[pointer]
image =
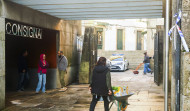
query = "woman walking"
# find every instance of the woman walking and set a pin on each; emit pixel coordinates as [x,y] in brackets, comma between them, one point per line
[42,70]
[100,84]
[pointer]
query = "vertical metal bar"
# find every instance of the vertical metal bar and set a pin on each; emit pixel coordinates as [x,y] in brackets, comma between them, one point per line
[167,55]
[177,62]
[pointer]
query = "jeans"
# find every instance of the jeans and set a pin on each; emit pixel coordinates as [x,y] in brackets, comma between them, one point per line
[147,68]
[95,100]
[23,80]
[41,83]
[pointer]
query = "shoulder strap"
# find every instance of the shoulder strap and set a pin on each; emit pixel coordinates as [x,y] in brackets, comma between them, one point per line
[61,59]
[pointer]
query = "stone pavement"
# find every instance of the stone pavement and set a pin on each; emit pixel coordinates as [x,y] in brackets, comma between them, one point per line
[147,96]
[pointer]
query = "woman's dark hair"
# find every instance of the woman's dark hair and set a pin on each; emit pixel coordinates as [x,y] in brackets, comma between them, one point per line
[101,61]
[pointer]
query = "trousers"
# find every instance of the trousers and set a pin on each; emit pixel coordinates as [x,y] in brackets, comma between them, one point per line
[95,100]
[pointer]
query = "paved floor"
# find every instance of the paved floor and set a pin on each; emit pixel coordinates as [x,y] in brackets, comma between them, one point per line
[147,96]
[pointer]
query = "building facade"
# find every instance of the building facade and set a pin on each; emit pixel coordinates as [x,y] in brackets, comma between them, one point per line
[131,37]
[25,28]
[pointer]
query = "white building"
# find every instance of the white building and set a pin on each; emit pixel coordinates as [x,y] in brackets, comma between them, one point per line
[131,37]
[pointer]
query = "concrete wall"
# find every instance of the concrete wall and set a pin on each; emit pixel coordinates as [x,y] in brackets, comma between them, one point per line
[185,27]
[89,55]
[150,41]
[151,30]
[185,23]
[110,39]
[68,37]
[185,58]
[129,38]
[130,28]
[2,63]
[185,82]
[66,40]
[134,57]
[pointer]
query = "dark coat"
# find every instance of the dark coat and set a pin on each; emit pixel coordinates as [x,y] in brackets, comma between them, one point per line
[99,85]
[22,64]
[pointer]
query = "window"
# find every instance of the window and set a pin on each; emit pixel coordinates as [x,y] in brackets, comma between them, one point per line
[119,39]
[139,40]
[100,37]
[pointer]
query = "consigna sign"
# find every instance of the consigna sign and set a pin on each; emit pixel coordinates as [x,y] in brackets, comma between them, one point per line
[18,29]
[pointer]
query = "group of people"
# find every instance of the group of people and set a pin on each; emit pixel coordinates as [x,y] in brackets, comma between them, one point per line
[100,83]
[62,64]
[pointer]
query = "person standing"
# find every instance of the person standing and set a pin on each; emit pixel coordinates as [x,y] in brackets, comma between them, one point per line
[42,70]
[146,64]
[62,63]
[100,85]
[23,71]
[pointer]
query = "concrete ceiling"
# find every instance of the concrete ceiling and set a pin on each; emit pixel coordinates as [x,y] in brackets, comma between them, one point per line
[97,9]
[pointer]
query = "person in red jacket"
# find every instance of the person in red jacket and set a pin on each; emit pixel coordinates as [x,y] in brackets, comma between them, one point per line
[42,70]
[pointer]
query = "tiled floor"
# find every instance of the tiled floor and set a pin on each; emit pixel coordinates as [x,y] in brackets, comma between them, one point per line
[147,96]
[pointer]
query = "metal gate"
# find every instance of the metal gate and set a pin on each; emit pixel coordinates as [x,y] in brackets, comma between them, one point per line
[158,57]
[156,60]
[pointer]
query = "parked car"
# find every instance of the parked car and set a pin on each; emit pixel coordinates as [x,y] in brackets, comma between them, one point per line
[118,63]
[108,63]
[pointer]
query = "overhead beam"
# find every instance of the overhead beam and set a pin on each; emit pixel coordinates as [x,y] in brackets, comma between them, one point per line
[100,12]
[108,15]
[102,9]
[111,18]
[105,12]
[48,2]
[96,9]
[124,15]
[97,5]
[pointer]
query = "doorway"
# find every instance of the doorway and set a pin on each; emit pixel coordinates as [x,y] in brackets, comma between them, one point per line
[19,38]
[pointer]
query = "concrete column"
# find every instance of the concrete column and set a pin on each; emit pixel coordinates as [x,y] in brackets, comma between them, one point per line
[84,70]
[2,63]
[185,82]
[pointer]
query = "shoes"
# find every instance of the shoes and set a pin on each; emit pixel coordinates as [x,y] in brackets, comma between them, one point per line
[19,90]
[63,89]
[42,92]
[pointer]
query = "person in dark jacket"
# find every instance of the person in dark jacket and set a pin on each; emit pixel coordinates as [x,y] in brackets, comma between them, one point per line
[42,70]
[23,71]
[100,85]
[147,64]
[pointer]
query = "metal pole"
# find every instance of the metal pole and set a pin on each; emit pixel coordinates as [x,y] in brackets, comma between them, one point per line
[167,55]
[177,62]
